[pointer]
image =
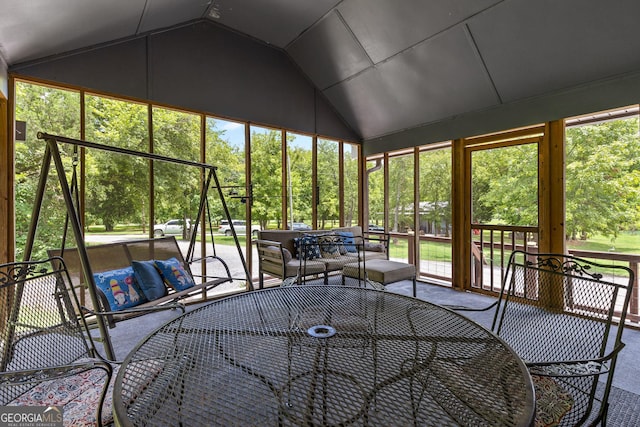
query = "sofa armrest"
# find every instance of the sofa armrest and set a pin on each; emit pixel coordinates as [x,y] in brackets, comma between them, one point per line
[377,243]
[270,249]
[272,258]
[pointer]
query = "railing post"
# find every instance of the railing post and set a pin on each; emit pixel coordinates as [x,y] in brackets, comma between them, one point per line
[633,301]
[411,255]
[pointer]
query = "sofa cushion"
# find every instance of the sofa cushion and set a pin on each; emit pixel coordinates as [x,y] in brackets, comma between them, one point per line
[306,267]
[284,237]
[381,271]
[373,247]
[286,255]
[336,264]
[356,230]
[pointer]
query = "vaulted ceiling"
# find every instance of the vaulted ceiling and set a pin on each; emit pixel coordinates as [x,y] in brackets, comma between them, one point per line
[386,66]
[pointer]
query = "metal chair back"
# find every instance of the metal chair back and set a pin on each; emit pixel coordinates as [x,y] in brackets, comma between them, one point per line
[558,312]
[43,337]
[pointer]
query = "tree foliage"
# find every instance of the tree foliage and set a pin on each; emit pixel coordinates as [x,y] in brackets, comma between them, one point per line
[603,178]
[505,185]
[228,157]
[116,184]
[435,191]
[56,112]
[328,179]
[266,176]
[602,173]
[351,184]
[401,193]
[375,191]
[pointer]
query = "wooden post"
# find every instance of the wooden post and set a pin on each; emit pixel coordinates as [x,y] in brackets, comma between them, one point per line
[461,213]
[6,185]
[551,185]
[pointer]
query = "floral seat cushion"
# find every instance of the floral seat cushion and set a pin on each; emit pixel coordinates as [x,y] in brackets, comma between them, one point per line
[78,394]
[552,401]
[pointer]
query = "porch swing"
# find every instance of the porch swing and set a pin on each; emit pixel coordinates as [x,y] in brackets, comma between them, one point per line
[127,251]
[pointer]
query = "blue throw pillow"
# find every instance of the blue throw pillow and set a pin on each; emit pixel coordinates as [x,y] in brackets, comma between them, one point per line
[349,241]
[120,288]
[307,247]
[174,274]
[149,279]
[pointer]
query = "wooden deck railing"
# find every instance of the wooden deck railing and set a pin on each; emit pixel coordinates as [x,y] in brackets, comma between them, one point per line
[632,261]
[491,247]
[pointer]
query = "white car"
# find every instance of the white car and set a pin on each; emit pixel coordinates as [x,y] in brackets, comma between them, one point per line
[300,226]
[173,226]
[240,226]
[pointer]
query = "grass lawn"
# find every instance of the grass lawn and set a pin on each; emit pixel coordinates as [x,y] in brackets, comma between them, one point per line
[628,242]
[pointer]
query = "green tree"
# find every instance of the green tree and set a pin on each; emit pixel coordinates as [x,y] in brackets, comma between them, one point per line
[350,202]
[117,185]
[435,191]
[603,178]
[53,111]
[400,192]
[301,183]
[228,157]
[505,185]
[328,180]
[177,188]
[266,175]
[375,192]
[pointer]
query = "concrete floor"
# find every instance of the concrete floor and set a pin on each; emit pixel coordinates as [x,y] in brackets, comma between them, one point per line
[627,376]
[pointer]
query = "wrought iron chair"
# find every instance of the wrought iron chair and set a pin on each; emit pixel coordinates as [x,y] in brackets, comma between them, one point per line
[557,312]
[48,357]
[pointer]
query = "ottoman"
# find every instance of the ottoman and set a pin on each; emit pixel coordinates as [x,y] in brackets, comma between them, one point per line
[382,271]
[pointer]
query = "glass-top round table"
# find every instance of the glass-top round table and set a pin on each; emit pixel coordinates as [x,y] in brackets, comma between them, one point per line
[322,355]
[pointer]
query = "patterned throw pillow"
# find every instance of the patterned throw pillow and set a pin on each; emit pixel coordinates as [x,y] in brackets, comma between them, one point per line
[307,247]
[329,245]
[120,288]
[174,274]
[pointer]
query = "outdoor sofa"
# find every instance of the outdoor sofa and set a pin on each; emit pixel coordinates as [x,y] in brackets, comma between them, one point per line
[290,253]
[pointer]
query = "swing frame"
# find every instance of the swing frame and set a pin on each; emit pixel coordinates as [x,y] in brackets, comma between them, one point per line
[52,154]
